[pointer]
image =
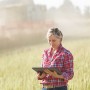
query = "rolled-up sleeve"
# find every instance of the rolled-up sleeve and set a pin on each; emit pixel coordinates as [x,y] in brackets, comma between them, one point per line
[68,65]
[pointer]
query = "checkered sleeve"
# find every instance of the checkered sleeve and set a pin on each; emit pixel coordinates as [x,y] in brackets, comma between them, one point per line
[44,56]
[68,64]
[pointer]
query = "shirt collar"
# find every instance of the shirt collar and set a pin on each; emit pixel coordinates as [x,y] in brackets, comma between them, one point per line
[58,50]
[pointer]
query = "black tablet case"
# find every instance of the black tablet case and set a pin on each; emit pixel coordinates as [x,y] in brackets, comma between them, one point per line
[41,69]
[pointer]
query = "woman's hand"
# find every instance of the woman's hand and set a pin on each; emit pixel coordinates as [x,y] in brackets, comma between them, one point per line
[41,75]
[54,74]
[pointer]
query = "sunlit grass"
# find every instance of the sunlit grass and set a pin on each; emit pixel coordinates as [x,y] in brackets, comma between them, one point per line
[16,66]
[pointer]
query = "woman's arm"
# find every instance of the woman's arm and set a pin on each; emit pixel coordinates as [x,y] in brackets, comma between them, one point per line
[68,65]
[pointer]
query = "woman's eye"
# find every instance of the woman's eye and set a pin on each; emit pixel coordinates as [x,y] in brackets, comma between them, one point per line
[53,40]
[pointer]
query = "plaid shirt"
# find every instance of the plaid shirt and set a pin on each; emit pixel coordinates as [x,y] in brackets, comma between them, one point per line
[63,60]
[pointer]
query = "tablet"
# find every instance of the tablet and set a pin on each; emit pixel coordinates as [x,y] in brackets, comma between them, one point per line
[41,69]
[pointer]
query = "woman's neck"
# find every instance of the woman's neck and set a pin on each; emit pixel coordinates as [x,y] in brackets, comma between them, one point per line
[54,50]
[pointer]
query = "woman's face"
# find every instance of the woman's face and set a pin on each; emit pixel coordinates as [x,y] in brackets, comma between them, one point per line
[54,41]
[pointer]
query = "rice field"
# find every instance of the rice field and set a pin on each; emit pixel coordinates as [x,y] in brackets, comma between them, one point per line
[16,66]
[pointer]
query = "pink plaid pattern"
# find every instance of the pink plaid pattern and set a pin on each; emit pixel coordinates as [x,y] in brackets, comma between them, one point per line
[63,60]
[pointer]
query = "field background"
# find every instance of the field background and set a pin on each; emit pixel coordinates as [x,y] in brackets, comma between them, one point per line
[23,26]
[16,66]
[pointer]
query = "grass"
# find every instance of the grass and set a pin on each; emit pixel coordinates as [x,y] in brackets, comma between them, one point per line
[16,66]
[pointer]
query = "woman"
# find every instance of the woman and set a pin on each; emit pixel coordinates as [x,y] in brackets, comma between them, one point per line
[59,57]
